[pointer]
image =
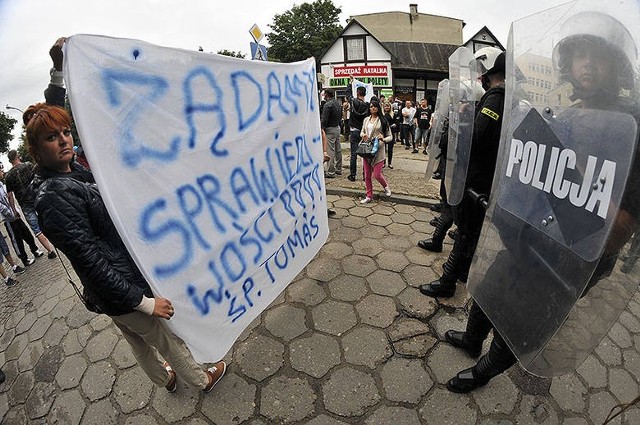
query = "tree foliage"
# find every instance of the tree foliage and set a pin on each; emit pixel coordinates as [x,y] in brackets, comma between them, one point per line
[231,53]
[303,31]
[23,152]
[6,127]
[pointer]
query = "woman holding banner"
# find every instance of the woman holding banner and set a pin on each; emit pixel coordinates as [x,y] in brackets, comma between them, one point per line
[73,216]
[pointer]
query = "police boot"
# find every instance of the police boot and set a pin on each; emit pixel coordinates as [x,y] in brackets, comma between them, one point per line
[466,381]
[444,287]
[497,360]
[460,340]
[435,243]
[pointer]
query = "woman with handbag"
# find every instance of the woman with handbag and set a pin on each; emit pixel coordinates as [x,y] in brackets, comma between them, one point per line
[375,126]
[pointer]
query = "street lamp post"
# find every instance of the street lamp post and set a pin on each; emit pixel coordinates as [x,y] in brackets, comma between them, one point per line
[13,107]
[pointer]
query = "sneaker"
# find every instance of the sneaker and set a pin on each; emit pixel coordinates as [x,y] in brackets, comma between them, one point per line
[17,269]
[424,151]
[11,282]
[215,374]
[351,178]
[38,253]
[172,385]
[29,261]
[387,191]
[366,200]
[51,255]
[414,151]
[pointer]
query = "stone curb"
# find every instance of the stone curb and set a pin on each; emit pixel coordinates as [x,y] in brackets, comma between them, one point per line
[398,199]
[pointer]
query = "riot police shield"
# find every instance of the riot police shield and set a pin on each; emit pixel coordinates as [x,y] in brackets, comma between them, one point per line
[440,113]
[462,96]
[565,196]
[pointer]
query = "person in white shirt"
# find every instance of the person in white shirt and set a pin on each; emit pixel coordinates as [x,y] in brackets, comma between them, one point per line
[406,130]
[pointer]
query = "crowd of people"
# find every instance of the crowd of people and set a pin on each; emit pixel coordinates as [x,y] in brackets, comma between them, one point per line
[407,125]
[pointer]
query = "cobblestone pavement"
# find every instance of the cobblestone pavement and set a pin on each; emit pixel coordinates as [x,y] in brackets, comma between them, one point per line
[350,340]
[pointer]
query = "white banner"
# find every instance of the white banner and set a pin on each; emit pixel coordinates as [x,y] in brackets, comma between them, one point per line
[211,169]
[369,87]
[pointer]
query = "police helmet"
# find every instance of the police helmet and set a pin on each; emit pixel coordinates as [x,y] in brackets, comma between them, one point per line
[490,60]
[599,30]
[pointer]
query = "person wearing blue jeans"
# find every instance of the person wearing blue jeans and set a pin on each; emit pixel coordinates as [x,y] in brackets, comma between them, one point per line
[422,120]
[330,123]
[406,130]
[17,180]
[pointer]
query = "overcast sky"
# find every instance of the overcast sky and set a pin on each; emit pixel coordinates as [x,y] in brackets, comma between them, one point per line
[28,28]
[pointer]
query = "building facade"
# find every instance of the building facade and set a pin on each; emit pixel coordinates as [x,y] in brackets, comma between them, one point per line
[481,39]
[405,54]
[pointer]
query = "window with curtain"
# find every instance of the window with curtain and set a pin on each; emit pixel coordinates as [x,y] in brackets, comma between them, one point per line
[354,49]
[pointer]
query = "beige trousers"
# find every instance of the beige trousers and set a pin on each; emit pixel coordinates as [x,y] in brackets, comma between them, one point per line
[148,337]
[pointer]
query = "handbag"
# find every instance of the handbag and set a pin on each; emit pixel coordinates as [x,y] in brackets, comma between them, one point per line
[368,149]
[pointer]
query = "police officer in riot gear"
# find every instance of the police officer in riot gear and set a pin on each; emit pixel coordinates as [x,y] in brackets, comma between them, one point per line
[596,56]
[590,37]
[438,144]
[443,222]
[469,215]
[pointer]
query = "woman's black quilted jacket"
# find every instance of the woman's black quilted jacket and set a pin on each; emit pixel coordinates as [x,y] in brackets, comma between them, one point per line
[73,217]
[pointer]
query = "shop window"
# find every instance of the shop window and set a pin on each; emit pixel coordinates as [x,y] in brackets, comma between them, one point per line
[355,49]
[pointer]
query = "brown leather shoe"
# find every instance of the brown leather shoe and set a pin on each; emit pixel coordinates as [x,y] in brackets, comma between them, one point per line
[172,385]
[215,374]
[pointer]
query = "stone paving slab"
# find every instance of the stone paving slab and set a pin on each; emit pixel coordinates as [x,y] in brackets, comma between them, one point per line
[350,341]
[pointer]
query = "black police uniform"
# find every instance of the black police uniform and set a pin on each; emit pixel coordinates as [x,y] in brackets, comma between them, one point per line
[499,357]
[445,220]
[469,215]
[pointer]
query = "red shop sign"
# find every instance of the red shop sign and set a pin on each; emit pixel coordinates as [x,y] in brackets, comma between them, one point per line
[361,71]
